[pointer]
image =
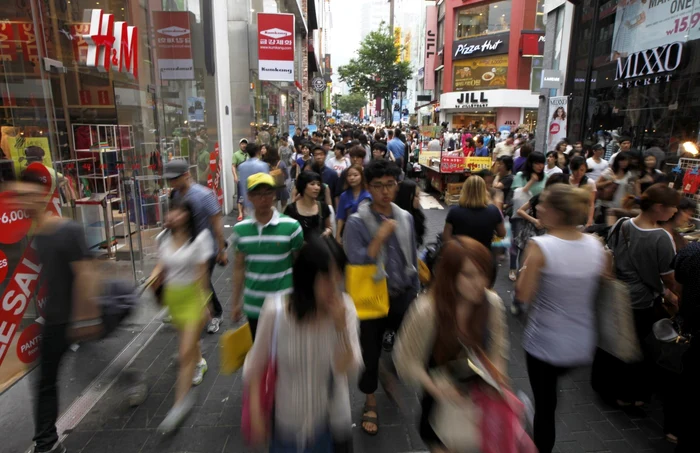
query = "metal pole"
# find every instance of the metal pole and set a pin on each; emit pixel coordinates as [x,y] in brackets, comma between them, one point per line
[391,18]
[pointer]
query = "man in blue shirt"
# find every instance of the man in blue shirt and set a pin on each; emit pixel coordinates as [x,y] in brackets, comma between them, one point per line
[328,176]
[397,148]
[481,149]
[250,167]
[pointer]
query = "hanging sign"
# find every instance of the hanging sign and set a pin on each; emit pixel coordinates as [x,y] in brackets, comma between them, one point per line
[112,45]
[431,26]
[173,45]
[276,47]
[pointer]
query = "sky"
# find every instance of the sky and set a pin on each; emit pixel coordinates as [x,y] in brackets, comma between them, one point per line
[345,34]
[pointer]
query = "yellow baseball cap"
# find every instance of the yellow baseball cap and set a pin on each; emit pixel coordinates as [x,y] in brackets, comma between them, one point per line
[259,179]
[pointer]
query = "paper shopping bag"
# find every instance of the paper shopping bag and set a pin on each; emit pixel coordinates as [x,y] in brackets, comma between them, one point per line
[371,297]
[234,345]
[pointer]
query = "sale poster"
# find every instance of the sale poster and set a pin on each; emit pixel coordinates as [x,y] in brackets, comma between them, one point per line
[556,121]
[27,150]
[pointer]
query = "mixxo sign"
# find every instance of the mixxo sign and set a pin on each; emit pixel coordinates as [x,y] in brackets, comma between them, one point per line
[649,66]
[112,45]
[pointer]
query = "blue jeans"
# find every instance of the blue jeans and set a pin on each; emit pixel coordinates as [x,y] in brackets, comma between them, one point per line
[323,443]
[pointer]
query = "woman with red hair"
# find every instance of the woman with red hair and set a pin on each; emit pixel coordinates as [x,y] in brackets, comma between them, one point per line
[459,319]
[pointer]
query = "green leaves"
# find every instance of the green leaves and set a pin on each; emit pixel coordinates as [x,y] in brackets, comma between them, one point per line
[375,71]
[352,103]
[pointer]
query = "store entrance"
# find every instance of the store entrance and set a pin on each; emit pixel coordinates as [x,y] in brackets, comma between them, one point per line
[474,121]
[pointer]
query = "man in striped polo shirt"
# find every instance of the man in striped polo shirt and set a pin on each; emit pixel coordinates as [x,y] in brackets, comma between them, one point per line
[265,244]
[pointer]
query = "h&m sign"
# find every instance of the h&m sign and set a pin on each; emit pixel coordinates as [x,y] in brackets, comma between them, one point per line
[112,45]
[472,100]
[482,46]
[649,66]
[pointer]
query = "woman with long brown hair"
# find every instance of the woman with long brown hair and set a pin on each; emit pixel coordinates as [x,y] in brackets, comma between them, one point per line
[458,317]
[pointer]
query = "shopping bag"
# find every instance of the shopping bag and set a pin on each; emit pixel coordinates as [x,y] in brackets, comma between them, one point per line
[616,330]
[234,345]
[505,241]
[371,297]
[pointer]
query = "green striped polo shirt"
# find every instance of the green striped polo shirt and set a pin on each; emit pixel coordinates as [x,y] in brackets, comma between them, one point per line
[268,258]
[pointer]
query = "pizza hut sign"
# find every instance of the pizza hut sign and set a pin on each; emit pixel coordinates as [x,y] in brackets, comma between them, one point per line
[482,46]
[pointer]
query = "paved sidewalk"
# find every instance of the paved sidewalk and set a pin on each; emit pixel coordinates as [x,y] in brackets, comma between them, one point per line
[584,424]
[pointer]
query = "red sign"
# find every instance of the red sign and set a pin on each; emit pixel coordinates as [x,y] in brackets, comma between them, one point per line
[85,97]
[8,49]
[24,280]
[4,265]
[450,164]
[173,39]
[28,343]
[14,222]
[554,128]
[103,97]
[27,37]
[431,31]
[80,46]
[276,47]
[112,45]
[532,44]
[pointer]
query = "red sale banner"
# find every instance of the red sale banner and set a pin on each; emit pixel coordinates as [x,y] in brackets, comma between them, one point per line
[27,37]
[8,49]
[24,280]
[276,47]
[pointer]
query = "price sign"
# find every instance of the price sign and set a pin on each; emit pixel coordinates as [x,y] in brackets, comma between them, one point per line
[478,163]
[449,164]
[14,222]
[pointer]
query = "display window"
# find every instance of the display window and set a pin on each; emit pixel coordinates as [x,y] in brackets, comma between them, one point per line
[474,121]
[483,20]
[484,73]
[642,79]
[102,128]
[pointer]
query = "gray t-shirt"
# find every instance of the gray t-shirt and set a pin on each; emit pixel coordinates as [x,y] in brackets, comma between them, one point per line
[57,250]
[204,206]
[641,266]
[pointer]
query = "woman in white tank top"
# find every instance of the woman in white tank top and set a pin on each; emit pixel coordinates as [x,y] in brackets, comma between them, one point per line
[559,278]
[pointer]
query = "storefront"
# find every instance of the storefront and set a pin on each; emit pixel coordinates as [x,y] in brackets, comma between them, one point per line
[486,77]
[633,71]
[487,110]
[100,97]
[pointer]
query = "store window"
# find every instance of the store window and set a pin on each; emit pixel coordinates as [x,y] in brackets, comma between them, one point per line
[615,92]
[485,73]
[102,134]
[536,74]
[474,121]
[539,15]
[530,118]
[483,20]
[441,34]
[438,83]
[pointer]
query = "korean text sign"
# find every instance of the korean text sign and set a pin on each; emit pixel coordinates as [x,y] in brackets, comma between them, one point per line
[276,47]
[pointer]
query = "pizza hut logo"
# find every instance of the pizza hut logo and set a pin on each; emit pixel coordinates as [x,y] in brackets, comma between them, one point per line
[174,31]
[276,33]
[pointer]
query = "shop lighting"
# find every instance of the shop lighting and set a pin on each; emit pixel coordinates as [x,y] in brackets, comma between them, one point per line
[691,148]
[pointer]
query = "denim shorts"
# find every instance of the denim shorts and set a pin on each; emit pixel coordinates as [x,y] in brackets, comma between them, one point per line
[322,443]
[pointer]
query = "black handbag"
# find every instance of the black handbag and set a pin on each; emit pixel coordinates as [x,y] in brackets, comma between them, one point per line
[668,344]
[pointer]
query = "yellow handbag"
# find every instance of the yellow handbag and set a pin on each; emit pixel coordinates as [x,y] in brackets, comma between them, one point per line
[371,297]
[234,345]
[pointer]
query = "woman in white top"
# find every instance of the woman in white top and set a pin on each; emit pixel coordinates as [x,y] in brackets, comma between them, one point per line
[183,268]
[317,346]
[558,279]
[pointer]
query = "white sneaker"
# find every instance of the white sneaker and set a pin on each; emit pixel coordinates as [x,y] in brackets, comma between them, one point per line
[176,415]
[199,371]
[214,324]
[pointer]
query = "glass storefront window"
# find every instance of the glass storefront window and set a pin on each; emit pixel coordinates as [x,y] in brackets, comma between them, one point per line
[536,74]
[539,15]
[531,119]
[441,34]
[483,20]
[474,121]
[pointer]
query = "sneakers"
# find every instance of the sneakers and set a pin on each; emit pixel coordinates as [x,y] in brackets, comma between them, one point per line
[388,341]
[199,371]
[176,415]
[57,448]
[214,324]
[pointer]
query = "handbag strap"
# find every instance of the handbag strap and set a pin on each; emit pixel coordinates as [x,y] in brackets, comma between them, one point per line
[279,307]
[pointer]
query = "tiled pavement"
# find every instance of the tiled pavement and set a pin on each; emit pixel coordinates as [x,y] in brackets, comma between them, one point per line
[584,424]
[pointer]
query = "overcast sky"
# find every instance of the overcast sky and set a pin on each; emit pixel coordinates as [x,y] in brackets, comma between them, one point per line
[345,35]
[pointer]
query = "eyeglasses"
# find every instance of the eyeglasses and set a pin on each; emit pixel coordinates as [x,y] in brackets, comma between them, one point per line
[388,186]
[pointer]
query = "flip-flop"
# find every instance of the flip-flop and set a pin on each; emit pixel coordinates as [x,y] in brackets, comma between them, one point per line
[369,419]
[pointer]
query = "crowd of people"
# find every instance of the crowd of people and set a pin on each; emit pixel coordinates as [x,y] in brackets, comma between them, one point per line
[323,217]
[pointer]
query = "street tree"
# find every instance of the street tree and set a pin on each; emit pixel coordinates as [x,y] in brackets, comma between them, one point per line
[377,70]
[352,103]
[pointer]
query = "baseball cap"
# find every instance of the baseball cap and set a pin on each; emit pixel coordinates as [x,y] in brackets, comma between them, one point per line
[175,168]
[259,179]
[242,140]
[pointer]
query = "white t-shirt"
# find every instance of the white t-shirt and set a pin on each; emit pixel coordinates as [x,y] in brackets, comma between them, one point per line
[181,265]
[503,150]
[338,165]
[597,169]
[552,171]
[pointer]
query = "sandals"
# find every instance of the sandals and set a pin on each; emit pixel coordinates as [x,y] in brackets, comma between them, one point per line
[370,419]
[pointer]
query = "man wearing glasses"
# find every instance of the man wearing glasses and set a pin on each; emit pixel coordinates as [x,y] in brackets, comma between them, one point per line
[381,233]
[265,243]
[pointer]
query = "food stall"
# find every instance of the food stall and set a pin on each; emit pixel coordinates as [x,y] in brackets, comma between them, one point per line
[441,169]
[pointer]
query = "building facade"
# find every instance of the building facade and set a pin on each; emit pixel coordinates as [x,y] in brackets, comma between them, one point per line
[482,77]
